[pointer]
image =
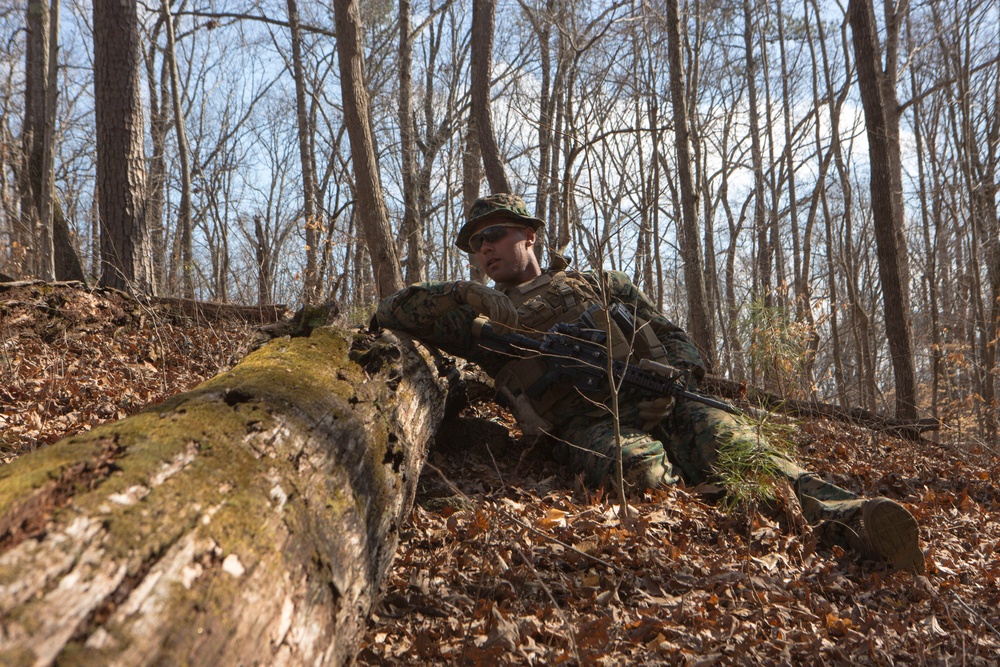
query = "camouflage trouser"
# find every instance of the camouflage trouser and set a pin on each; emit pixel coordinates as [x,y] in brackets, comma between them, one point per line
[687,448]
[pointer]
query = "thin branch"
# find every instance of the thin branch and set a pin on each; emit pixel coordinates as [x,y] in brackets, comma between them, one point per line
[305,27]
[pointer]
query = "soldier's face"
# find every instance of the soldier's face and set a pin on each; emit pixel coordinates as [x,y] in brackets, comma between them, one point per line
[509,259]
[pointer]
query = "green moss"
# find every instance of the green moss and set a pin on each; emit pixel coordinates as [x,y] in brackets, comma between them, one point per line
[27,473]
[19,656]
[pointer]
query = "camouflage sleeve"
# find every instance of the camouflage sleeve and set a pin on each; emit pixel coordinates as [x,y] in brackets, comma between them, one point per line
[680,349]
[429,311]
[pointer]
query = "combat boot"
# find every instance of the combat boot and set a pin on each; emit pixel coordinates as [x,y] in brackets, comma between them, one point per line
[879,529]
[889,533]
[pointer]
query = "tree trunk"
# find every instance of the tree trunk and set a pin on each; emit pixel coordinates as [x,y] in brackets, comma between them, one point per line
[159,122]
[45,196]
[408,150]
[263,256]
[249,521]
[483,12]
[310,291]
[878,97]
[67,262]
[694,267]
[184,212]
[472,175]
[41,228]
[32,133]
[372,213]
[762,275]
[126,249]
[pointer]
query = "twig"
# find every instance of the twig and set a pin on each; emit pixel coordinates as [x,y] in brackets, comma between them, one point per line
[975,613]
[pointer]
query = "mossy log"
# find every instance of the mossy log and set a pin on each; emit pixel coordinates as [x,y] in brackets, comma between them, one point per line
[247,522]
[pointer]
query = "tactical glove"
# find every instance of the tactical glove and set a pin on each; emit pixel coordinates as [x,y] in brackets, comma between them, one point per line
[654,411]
[533,426]
[486,301]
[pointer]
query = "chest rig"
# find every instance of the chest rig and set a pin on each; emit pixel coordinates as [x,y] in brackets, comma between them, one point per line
[564,296]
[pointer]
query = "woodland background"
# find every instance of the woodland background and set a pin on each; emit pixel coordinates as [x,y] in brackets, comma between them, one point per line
[809,187]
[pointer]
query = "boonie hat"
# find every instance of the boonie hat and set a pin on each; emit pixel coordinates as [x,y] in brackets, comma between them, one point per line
[503,205]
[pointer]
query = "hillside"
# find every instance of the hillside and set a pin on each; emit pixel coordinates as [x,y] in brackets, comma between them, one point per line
[506,560]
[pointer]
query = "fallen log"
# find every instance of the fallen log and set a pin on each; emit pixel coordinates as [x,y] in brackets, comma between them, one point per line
[249,521]
[904,428]
[202,309]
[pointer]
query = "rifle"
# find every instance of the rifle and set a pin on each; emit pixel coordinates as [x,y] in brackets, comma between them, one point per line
[579,354]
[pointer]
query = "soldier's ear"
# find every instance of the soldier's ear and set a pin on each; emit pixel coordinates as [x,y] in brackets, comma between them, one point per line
[529,236]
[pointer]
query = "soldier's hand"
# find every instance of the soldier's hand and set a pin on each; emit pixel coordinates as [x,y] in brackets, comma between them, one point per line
[666,370]
[655,410]
[487,301]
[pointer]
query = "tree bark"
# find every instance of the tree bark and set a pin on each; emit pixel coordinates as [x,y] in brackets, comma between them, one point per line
[26,229]
[472,176]
[249,521]
[762,275]
[483,12]
[41,228]
[878,97]
[694,267]
[159,122]
[310,291]
[126,248]
[372,213]
[183,154]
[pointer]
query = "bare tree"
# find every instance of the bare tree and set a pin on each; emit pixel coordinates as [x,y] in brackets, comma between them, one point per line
[42,226]
[762,275]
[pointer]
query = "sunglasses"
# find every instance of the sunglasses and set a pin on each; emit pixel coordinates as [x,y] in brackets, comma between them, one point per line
[490,234]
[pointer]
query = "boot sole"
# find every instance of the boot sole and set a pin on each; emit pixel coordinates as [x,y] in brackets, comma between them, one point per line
[892,535]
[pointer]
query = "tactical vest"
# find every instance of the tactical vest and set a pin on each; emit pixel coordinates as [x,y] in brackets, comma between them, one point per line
[552,298]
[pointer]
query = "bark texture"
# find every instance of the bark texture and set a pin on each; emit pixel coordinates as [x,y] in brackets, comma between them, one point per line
[126,246]
[249,521]
[370,207]
[699,303]
[483,15]
[877,85]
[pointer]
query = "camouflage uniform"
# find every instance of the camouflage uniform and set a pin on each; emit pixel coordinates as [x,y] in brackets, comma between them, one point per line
[685,445]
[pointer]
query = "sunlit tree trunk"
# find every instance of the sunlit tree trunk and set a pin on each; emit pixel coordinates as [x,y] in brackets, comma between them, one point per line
[310,290]
[183,154]
[371,208]
[699,314]
[483,12]
[412,228]
[877,83]
[159,123]
[126,248]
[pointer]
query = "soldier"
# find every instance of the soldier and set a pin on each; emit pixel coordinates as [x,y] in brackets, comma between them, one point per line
[663,440]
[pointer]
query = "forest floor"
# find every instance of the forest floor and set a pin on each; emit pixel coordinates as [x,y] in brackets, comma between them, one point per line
[508,560]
